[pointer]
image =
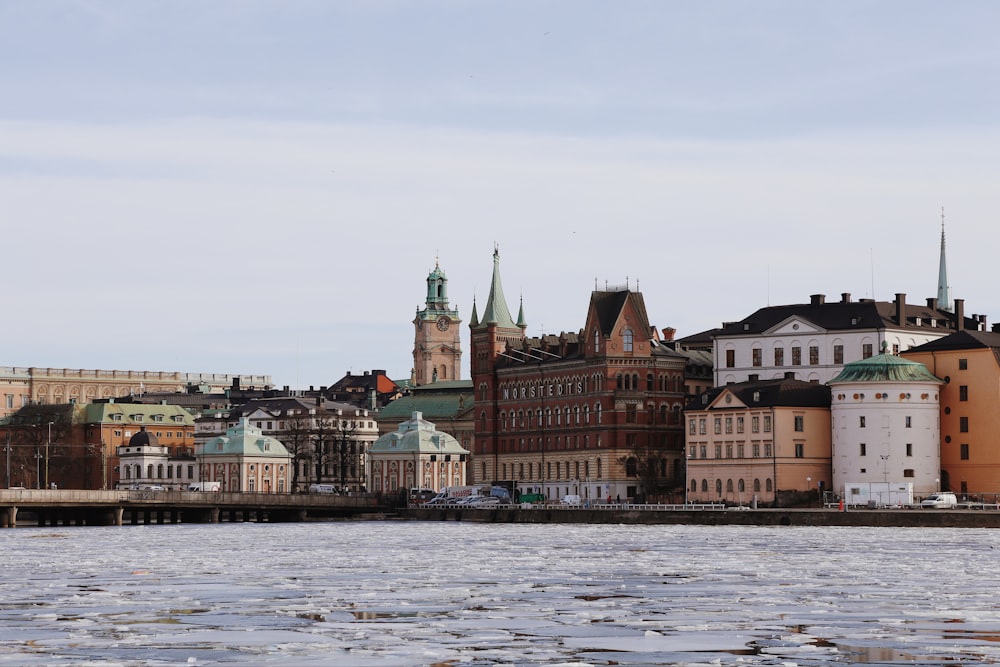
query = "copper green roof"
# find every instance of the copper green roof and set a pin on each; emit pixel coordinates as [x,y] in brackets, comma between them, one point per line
[885,368]
[417,435]
[244,440]
[496,311]
[438,400]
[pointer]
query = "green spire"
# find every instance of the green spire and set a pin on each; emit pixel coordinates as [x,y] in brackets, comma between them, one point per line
[520,315]
[474,322]
[496,311]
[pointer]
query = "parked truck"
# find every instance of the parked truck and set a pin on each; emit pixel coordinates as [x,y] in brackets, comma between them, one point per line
[205,486]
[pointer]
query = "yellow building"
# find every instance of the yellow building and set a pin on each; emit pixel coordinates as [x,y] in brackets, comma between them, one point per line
[766,441]
[969,363]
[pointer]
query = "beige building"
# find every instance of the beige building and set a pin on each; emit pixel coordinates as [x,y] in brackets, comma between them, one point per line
[416,455]
[244,460]
[21,386]
[766,441]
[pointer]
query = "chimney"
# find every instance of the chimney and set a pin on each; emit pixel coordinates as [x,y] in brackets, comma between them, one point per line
[900,309]
[845,297]
[959,314]
[817,299]
[668,333]
[319,400]
[932,303]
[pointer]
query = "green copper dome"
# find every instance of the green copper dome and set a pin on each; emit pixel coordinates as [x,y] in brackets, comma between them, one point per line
[885,368]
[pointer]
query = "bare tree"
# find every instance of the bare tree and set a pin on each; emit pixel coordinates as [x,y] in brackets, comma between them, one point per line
[323,434]
[297,440]
[345,452]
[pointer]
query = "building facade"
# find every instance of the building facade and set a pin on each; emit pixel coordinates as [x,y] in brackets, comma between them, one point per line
[969,364]
[595,413]
[437,342]
[416,455]
[244,460]
[813,341]
[766,442]
[34,385]
[886,431]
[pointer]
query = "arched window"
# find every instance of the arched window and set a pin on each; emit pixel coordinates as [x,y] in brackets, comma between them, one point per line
[149,470]
[694,486]
[768,484]
[631,467]
[756,485]
[618,381]
[704,486]
[597,341]
[729,485]
[718,487]
[627,340]
[741,485]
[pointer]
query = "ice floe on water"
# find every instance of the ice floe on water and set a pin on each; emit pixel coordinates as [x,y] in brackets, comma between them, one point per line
[452,594]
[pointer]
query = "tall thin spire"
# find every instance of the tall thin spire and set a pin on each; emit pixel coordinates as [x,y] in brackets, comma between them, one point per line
[496,311]
[944,291]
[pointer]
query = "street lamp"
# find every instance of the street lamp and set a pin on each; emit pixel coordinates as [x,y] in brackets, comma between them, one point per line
[885,474]
[47,443]
[809,485]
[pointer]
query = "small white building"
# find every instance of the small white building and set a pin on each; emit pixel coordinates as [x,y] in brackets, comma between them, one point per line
[145,462]
[416,455]
[886,429]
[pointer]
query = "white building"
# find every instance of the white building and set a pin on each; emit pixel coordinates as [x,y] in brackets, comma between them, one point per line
[244,460]
[145,462]
[813,341]
[886,429]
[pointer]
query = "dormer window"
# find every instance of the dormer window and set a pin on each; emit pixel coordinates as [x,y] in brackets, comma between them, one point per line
[116,417]
[157,418]
[136,417]
[597,341]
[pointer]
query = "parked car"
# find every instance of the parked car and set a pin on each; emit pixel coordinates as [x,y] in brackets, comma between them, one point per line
[572,500]
[940,500]
[480,501]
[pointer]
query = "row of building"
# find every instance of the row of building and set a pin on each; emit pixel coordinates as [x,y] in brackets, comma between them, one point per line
[861,398]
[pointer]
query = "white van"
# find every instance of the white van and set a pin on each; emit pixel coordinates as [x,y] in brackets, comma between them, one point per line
[573,500]
[940,500]
[322,488]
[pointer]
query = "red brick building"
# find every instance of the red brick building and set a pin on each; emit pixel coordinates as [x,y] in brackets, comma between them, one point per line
[595,413]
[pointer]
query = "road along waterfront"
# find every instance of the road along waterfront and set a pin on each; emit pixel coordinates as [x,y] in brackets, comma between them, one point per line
[425,593]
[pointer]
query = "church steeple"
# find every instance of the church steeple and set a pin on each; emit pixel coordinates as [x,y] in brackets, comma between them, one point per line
[944,290]
[437,346]
[496,311]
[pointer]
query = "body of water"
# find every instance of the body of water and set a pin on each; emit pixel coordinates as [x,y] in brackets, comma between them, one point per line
[448,593]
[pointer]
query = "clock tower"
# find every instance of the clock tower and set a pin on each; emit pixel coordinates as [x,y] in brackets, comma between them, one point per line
[437,344]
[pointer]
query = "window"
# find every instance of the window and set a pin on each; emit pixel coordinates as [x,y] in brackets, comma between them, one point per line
[866,350]
[692,452]
[838,354]
[963,364]
[814,355]
[779,356]
[756,450]
[704,451]
[739,424]
[908,473]
[909,449]
[755,424]
[10,401]
[963,393]
[861,421]
[718,451]
[631,414]
[963,451]
[701,426]
[740,452]
[729,451]
[767,449]
[963,424]
[597,341]
[767,423]
[692,429]
[796,356]
[627,340]
[800,450]
[729,425]
[800,425]
[863,449]
[730,358]
[909,421]
[718,426]
[757,357]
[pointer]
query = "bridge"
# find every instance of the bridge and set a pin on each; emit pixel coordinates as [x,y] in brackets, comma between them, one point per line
[45,507]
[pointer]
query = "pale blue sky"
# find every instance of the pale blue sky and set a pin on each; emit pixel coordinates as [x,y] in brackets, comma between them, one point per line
[262,186]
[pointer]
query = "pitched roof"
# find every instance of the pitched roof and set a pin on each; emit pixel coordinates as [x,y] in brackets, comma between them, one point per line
[961,340]
[246,440]
[768,393]
[496,311]
[845,315]
[438,400]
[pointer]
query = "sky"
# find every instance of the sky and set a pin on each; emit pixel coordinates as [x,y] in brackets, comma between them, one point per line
[262,186]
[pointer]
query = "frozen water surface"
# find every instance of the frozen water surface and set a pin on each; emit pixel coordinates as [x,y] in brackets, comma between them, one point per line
[444,593]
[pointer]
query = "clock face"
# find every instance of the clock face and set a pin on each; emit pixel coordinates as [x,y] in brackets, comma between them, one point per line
[443,323]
